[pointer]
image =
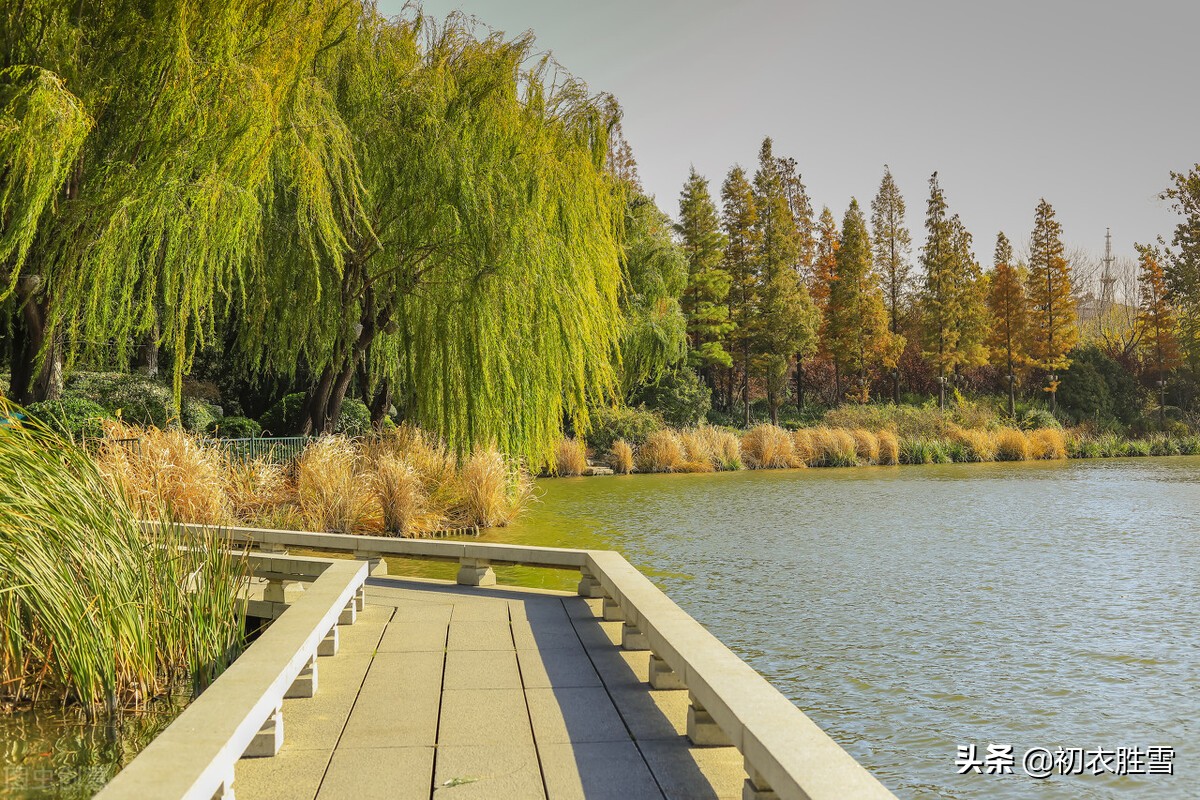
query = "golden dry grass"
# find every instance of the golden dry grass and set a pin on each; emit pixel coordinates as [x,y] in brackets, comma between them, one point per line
[661,452]
[866,446]
[334,488]
[1011,445]
[980,445]
[1047,443]
[493,490]
[889,447]
[570,457]
[802,445]
[403,502]
[768,447]
[621,457]
[833,447]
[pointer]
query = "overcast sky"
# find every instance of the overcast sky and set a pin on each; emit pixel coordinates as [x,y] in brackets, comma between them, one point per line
[1089,104]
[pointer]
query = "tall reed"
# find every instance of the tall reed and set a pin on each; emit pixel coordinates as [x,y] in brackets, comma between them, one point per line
[889,448]
[334,488]
[768,447]
[96,609]
[621,457]
[661,452]
[570,457]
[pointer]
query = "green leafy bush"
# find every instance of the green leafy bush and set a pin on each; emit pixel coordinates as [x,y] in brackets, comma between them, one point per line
[679,397]
[234,428]
[286,417]
[1098,389]
[1039,418]
[355,419]
[634,425]
[73,417]
[198,415]
[136,398]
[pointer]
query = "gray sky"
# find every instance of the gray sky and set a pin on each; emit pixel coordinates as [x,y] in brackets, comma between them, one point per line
[1089,104]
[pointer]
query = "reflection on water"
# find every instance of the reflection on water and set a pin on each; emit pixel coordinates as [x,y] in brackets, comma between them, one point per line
[910,610]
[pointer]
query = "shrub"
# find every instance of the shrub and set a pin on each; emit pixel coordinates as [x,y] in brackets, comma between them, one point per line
[1161,445]
[661,452]
[621,457]
[570,457]
[1047,443]
[139,399]
[833,447]
[1137,448]
[197,416]
[234,428]
[1039,418]
[768,447]
[1011,445]
[924,451]
[866,446]
[286,417]
[634,425]
[1098,388]
[354,418]
[679,397]
[1189,445]
[72,417]
[889,448]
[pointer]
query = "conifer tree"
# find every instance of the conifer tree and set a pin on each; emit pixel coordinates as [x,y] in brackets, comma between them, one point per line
[972,319]
[740,221]
[802,214]
[1053,330]
[786,318]
[940,295]
[857,322]
[1183,262]
[705,301]
[892,246]
[1156,321]
[824,273]
[1010,321]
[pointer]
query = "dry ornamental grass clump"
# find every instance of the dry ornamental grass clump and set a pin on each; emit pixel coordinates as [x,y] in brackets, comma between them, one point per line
[570,457]
[802,445]
[1047,443]
[768,447]
[1011,445]
[866,446]
[661,452]
[334,487]
[493,491]
[834,447]
[698,453]
[979,445]
[621,457]
[889,448]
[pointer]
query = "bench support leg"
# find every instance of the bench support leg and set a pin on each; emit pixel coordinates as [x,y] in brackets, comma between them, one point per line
[756,787]
[269,739]
[662,676]
[329,645]
[589,586]
[702,729]
[305,684]
[612,610]
[632,637]
[475,572]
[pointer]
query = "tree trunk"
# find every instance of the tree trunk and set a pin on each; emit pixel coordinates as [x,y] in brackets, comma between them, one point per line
[799,383]
[380,404]
[37,362]
[837,384]
[146,362]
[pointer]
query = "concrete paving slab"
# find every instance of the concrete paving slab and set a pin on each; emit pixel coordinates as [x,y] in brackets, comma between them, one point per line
[488,772]
[621,668]
[582,714]
[695,773]
[412,637]
[398,704]
[542,635]
[652,714]
[409,611]
[289,775]
[545,669]
[595,633]
[483,717]
[539,609]
[378,774]
[481,669]
[596,771]
[481,635]
[584,607]
[316,723]
[481,611]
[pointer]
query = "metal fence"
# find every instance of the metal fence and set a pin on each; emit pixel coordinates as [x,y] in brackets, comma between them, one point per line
[281,450]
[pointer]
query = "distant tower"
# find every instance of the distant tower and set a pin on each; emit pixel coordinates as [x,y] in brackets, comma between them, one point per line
[1107,277]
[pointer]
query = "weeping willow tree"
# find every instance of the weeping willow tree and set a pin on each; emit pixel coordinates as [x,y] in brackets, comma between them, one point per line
[481,297]
[146,149]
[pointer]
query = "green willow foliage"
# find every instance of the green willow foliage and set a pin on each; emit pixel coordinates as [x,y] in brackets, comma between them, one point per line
[424,209]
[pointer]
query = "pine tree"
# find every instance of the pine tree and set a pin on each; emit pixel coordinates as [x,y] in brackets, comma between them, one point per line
[786,319]
[739,219]
[802,213]
[892,245]
[857,332]
[940,296]
[1010,320]
[972,319]
[1156,321]
[705,300]
[1053,330]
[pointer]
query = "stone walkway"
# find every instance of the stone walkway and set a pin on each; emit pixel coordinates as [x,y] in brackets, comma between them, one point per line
[452,692]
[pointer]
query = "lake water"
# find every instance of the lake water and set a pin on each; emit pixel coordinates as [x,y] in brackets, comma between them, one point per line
[911,610]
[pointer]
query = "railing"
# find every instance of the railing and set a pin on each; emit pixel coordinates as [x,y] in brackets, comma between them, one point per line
[241,714]
[786,754]
[279,450]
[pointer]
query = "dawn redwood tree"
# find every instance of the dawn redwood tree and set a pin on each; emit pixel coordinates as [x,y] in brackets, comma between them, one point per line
[1009,318]
[1053,329]
[1182,262]
[1156,321]
[786,318]
[892,247]
[705,300]
[740,221]
[972,299]
[806,228]
[857,331]
[940,296]
[824,273]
